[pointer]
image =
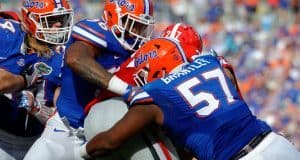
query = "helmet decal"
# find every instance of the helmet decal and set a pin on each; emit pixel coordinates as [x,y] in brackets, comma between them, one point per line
[33,4]
[124,3]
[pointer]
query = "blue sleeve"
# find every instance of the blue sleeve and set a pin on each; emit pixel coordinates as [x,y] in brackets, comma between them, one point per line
[137,96]
[11,40]
[91,32]
[96,33]
[11,37]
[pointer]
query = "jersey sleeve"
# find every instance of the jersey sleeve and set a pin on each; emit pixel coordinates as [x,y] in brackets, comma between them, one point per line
[138,96]
[11,57]
[11,37]
[89,31]
[95,32]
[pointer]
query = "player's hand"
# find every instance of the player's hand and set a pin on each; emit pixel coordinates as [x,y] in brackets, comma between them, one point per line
[42,113]
[27,100]
[130,92]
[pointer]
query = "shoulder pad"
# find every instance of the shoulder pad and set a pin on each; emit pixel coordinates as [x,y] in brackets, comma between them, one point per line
[11,37]
[95,32]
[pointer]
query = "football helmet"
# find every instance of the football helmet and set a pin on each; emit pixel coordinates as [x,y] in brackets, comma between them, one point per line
[186,35]
[9,15]
[157,58]
[131,21]
[49,21]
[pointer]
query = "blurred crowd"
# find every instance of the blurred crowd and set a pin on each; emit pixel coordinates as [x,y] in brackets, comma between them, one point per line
[259,37]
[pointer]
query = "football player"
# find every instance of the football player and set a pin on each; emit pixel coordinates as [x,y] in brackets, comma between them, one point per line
[186,35]
[199,107]
[96,47]
[112,110]
[42,27]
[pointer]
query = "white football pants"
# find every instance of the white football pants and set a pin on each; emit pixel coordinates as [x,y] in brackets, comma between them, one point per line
[104,115]
[58,142]
[273,147]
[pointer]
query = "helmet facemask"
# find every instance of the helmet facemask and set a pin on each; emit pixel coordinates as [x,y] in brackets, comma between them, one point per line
[141,77]
[133,31]
[46,30]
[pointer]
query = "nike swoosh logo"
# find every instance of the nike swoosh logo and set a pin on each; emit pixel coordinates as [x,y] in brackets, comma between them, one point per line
[116,57]
[58,130]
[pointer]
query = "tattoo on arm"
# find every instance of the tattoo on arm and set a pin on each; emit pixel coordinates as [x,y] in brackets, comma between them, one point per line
[81,59]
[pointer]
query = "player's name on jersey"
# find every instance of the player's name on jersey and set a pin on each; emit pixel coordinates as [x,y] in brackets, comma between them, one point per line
[198,63]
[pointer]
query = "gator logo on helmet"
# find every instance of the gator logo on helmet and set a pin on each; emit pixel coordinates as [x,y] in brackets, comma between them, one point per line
[33,4]
[124,3]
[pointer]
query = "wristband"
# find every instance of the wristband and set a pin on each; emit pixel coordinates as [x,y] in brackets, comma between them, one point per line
[117,85]
[83,153]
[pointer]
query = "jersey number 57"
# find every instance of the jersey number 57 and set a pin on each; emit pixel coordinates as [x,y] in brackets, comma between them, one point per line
[195,98]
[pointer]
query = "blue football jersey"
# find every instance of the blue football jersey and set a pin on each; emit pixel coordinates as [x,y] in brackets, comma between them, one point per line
[202,110]
[77,92]
[14,59]
[11,46]
[50,68]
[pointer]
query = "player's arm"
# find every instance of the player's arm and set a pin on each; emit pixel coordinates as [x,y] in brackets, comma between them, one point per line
[56,94]
[231,77]
[10,82]
[133,122]
[81,59]
[229,71]
[47,109]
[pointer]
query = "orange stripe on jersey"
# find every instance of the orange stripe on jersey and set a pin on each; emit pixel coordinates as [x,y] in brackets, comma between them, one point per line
[92,30]
[143,101]
[83,39]
[165,150]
